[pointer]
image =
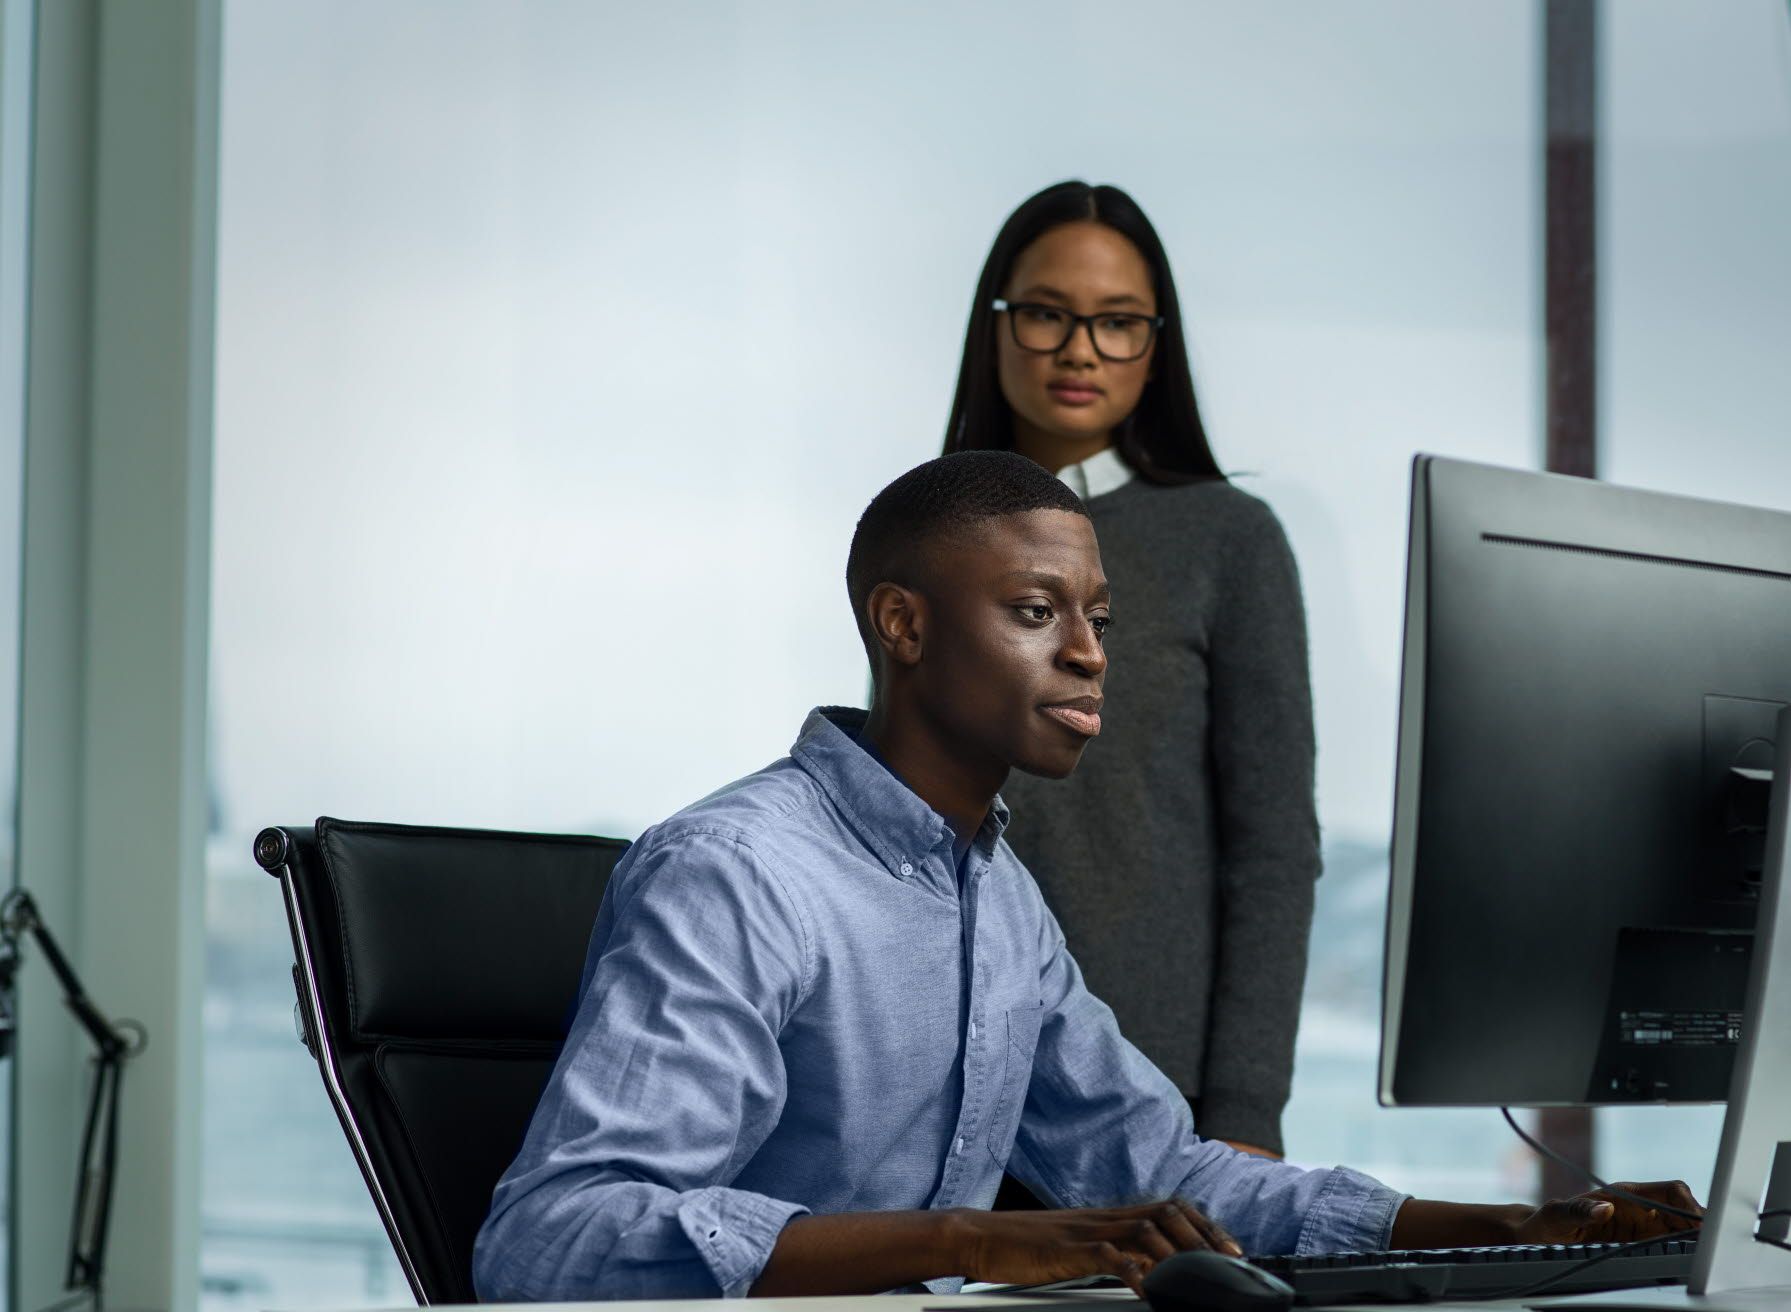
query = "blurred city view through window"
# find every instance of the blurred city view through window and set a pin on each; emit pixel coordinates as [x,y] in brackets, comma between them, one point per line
[559,347]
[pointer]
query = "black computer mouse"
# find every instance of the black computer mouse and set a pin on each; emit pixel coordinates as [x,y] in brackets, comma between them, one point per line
[1212,1282]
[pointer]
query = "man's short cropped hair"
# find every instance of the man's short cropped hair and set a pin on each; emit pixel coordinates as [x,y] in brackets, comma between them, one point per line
[930,501]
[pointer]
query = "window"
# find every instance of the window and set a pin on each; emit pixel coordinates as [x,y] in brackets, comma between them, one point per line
[543,377]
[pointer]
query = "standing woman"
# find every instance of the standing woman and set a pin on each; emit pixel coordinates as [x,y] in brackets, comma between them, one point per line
[1180,858]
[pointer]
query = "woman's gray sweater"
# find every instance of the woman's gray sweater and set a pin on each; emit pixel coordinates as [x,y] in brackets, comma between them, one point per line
[1180,857]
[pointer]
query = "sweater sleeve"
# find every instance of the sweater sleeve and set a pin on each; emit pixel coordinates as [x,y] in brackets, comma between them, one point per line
[1268,850]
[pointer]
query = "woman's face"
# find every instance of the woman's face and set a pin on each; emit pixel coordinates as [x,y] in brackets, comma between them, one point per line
[1073,397]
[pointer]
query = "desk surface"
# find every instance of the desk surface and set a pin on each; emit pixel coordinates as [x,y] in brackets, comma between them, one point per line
[1614,1300]
[888,1303]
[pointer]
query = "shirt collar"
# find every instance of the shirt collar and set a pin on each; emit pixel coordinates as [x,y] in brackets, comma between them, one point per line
[1102,472]
[900,829]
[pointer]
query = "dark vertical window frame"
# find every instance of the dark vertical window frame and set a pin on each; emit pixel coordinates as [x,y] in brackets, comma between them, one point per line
[1570,277]
[1570,321]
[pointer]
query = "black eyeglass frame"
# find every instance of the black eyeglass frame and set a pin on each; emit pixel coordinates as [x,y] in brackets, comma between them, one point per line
[1077,321]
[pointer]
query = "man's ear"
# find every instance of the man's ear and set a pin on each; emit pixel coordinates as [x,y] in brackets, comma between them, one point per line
[898,619]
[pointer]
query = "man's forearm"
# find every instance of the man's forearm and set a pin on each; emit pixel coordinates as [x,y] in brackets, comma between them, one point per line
[860,1253]
[1422,1223]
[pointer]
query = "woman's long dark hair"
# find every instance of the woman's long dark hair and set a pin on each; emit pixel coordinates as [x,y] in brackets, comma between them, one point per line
[1163,439]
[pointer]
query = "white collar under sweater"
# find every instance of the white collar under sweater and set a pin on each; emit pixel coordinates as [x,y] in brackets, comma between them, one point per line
[1102,472]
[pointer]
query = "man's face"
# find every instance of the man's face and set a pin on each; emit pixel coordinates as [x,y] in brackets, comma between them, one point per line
[1013,662]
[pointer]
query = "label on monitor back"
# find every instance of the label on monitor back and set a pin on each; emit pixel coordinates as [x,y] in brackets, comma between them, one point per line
[1673,1016]
[1683,1028]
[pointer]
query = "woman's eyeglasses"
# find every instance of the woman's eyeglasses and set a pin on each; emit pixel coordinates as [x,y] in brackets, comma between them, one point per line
[1048,328]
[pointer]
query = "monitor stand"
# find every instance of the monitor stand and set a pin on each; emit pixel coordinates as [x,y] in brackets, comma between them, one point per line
[1735,1271]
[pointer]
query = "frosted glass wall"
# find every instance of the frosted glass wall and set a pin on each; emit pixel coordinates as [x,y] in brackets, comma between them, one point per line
[585,332]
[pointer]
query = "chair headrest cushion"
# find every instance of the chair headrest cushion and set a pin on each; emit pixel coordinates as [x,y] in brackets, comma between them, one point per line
[463,934]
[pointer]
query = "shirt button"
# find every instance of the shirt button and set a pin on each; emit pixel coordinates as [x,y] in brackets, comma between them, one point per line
[960,1143]
[907,869]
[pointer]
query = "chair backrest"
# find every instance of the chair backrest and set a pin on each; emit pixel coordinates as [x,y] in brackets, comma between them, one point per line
[436,972]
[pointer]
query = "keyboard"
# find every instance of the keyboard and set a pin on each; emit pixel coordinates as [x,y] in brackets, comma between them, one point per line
[1420,1275]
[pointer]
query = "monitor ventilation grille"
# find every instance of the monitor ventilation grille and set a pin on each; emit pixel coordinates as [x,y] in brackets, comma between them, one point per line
[1578,549]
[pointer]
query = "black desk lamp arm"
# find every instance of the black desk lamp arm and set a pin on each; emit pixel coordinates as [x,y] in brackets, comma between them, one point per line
[18,915]
[116,1043]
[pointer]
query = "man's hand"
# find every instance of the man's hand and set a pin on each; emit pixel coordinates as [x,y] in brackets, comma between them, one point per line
[1590,1218]
[1601,1217]
[865,1252]
[1038,1247]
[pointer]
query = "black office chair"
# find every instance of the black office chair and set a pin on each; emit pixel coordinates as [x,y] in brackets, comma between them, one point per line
[436,971]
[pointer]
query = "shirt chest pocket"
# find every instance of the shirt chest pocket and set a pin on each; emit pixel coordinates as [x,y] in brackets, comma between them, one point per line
[1014,1064]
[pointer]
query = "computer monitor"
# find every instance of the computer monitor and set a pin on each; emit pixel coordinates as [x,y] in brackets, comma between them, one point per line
[1590,899]
[1592,677]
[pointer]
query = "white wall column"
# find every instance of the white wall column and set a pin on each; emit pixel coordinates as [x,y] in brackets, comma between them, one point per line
[112,804]
[47,1065]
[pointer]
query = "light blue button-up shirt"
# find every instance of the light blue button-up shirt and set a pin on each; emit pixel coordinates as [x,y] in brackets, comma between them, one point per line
[793,1003]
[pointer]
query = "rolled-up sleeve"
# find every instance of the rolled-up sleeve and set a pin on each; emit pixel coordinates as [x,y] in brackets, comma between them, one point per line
[1102,1126]
[671,1078]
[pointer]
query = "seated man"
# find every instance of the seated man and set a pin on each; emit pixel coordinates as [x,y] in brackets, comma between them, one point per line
[825,1006]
